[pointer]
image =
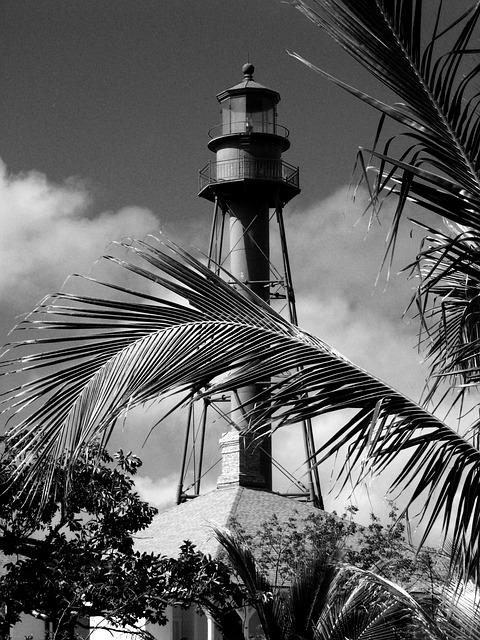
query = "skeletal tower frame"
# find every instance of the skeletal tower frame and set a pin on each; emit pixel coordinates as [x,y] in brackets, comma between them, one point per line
[249,185]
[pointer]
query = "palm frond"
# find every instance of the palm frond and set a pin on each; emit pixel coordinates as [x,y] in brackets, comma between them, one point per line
[367,606]
[434,71]
[386,38]
[260,591]
[328,600]
[458,611]
[87,361]
[309,596]
[448,301]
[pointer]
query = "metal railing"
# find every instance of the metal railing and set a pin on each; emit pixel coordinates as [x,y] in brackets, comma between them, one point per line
[248,126]
[248,168]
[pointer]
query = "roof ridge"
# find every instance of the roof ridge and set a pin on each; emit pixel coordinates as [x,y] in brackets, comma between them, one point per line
[234,507]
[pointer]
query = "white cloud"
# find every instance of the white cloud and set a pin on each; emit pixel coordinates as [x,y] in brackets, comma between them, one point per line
[47,232]
[159,492]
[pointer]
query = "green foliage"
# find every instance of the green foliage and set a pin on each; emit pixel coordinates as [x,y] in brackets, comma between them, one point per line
[80,560]
[326,601]
[347,581]
[282,549]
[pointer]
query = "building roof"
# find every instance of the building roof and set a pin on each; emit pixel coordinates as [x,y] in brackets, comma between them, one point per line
[248,84]
[194,520]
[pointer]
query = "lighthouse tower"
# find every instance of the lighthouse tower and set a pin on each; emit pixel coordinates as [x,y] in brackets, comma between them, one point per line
[249,183]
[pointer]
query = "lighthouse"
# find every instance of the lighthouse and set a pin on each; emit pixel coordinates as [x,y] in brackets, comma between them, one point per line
[246,181]
[249,183]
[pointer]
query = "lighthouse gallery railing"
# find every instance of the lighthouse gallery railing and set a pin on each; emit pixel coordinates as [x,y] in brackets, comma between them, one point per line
[248,169]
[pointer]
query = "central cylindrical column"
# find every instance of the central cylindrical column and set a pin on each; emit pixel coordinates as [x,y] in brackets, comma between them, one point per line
[250,264]
[248,179]
[250,245]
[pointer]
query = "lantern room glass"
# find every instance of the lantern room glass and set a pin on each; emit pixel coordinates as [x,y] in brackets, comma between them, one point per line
[248,113]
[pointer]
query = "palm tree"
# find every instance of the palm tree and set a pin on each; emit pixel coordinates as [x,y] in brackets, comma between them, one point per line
[327,601]
[81,361]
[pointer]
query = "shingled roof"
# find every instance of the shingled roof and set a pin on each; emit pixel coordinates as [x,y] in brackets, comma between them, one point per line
[193,520]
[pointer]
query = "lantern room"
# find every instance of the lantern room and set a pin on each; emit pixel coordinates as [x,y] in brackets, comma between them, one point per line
[248,144]
[248,107]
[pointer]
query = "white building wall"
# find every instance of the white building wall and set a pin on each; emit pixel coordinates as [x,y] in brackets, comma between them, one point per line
[183,624]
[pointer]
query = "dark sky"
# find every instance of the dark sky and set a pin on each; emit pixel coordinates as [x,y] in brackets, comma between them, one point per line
[121,93]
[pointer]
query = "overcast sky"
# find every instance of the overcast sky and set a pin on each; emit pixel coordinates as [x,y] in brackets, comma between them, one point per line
[104,116]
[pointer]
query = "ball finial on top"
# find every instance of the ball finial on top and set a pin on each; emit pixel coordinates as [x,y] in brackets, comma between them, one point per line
[248,70]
